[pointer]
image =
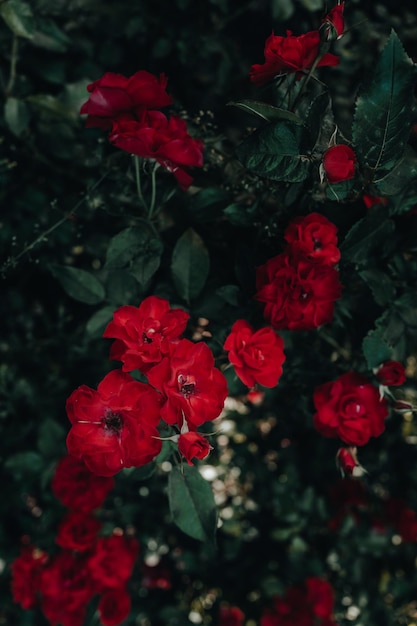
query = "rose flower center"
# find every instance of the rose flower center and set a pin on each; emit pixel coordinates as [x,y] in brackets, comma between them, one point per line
[113,422]
[187,385]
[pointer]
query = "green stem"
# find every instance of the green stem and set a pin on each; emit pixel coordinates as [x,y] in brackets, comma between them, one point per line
[137,162]
[13,64]
[153,191]
[13,260]
[322,51]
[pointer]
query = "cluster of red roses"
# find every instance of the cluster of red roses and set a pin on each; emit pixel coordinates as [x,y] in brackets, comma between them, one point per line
[129,108]
[353,409]
[295,54]
[116,426]
[86,565]
[299,286]
[308,604]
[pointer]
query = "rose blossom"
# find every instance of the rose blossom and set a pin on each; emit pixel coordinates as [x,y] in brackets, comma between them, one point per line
[26,570]
[143,333]
[66,588]
[114,95]
[284,55]
[231,616]
[315,237]
[391,374]
[298,294]
[115,426]
[339,163]
[192,388]
[192,445]
[78,488]
[77,531]
[309,604]
[112,561]
[164,140]
[114,607]
[349,408]
[257,356]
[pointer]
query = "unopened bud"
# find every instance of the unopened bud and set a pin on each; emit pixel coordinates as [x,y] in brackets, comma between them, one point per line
[347,462]
[333,24]
[401,406]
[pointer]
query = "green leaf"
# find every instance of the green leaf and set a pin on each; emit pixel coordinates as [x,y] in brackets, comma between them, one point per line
[383,289]
[79,284]
[229,293]
[192,503]
[24,463]
[273,152]
[366,235]
[99,320]
[18,17]
[137,250]
[241,214]
[208,203]
[51,105]
[122,288]
[383,115]
[51,438]
[49,36]
[403,174]
[190,265]
[375,348]
[123,247]
[315,114]
[16,115]
[266,112]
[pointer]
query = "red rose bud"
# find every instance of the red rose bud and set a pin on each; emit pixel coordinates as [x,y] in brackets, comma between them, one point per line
[400,406]
[333,25]
[370,201]
[255,397]
[391,374]
[339,163]
[192,445]
[347,461]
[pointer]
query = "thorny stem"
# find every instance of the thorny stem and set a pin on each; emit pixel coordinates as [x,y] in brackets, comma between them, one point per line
[13,260]
[13,63]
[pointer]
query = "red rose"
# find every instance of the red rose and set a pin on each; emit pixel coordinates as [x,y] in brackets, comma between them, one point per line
[26,570]
[78,488]
[77,531]
[192,445]
[339,163]
[143,333]
[114,607]
[370,201]
[403,519]
[164,140]
[298,294]
[115,426]
[191,386]
[256,355]
[309,604]
[66,589]
[284,55]
[391,374]
[114,95]
[350,408]
[112,561]
[315,237]
[231,616]
[333,24]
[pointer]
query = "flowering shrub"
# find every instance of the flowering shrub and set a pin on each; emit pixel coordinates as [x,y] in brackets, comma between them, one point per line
[227,315]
